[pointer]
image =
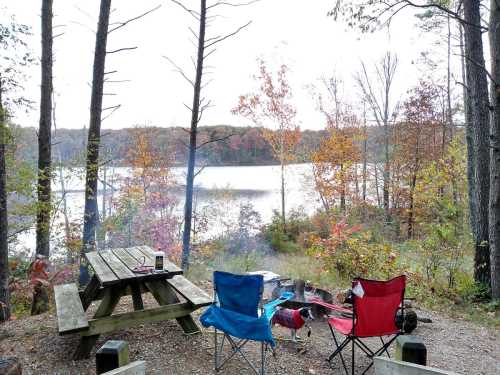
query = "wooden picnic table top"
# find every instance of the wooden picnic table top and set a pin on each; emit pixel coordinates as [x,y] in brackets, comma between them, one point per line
[113,278]
[115,266]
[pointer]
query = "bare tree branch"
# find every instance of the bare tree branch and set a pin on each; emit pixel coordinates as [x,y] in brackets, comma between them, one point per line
[112,107]
[112,111]
[121,24]
[117,81]
[228,35]
[194,13]
[179,70]
[199,171]
[120,50]
[225,3]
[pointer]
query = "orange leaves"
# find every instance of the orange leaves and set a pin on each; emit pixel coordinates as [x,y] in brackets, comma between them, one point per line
[270,107]
[335,165]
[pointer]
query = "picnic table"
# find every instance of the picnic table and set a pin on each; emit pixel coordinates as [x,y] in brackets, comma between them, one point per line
[115,275]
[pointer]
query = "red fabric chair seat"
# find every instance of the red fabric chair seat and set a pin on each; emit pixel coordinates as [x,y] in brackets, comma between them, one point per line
[375,305]
[342,325]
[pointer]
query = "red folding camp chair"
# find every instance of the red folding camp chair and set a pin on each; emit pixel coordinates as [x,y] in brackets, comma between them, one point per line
[375,305]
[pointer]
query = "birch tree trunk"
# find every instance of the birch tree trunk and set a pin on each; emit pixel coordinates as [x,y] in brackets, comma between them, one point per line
[188,207]
[90,217]
[494,219]
[44,136]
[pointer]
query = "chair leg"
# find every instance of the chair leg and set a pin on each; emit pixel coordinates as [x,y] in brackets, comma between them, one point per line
[385,348]
[263,359]
[339,349]
[352,357]
[215,350]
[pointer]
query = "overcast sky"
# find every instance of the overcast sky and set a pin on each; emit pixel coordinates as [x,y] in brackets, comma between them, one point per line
[297,33]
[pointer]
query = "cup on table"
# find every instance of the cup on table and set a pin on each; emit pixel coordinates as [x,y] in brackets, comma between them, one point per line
[159,260]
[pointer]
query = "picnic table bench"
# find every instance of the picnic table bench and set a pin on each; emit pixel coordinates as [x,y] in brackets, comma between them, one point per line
[115,275]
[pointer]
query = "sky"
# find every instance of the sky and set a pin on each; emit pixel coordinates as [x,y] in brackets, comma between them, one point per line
[296,33]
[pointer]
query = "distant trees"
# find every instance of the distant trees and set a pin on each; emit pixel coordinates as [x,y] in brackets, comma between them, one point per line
[271,108]
[335,161]
[335,166]
[377,93]
[418,142]
[143,211]
[483,192]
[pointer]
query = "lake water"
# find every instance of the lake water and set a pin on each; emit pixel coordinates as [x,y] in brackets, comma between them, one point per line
[258,185]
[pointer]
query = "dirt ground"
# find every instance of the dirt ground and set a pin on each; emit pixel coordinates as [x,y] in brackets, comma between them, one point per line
[453,345]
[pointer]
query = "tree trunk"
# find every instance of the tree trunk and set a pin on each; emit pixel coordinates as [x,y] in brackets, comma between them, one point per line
[478,96]
[342,189]
[449,112]
[101,236]
[469,138]
[365,153]
[376,185]
[387,174]
[4,248]
[411,215]
[44,136]
[67,230]
[90,216]
[283,210]
[494,219]
[188,207]
[43,208]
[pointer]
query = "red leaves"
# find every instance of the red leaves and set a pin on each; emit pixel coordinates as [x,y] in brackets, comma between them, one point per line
[342,231]
[38,272]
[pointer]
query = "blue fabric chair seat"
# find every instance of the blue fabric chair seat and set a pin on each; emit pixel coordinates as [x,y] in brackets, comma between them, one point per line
[238,325]
[241,325]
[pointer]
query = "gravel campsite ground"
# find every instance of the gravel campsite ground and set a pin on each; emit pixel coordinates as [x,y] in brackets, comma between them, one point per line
[452,344]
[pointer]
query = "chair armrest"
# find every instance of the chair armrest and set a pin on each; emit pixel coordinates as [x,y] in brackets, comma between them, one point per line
[330,306]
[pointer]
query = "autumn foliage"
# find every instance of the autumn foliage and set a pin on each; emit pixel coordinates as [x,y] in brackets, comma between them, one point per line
[271,108]
[144,209]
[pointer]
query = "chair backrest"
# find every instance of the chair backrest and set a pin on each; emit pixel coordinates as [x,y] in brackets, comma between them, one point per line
[239,293]
[375,306]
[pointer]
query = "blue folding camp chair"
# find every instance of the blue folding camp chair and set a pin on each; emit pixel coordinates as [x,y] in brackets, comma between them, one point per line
[236,313]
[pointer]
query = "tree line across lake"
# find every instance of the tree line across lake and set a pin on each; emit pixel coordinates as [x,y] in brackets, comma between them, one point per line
[235,146]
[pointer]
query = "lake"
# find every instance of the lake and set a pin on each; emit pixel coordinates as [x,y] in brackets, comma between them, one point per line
[258,185]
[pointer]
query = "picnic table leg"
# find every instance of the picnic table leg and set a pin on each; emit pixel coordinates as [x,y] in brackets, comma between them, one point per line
[136,296]
[165,295]
[108,303]
[90,292]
